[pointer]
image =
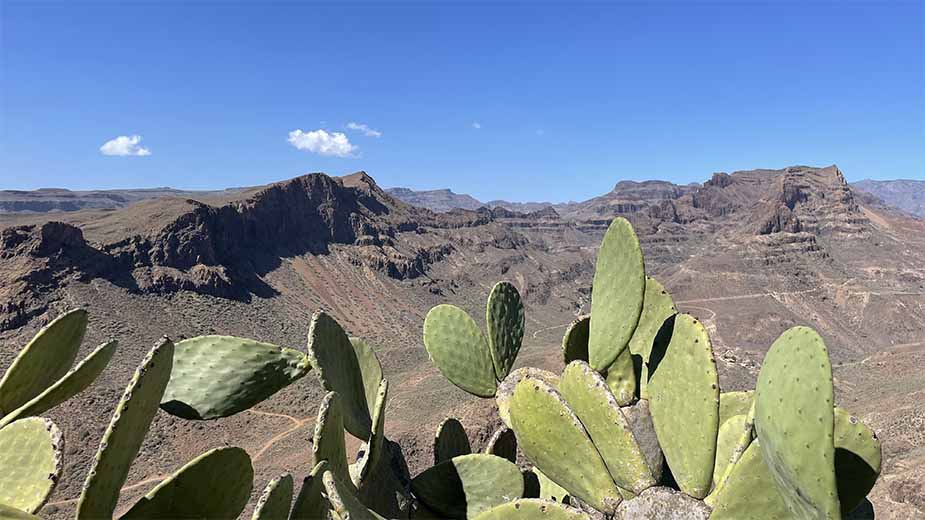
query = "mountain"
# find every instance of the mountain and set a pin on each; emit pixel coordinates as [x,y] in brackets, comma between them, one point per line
[435,200]
[750,254]
[907,195]
[59,199]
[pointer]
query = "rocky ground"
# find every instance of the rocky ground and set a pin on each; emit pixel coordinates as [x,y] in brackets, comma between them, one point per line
[750,254]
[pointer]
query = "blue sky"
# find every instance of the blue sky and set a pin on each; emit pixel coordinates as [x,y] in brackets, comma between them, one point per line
[522,101]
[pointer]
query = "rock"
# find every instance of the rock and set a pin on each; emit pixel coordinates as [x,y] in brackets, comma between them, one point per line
[662,503]
[640,421]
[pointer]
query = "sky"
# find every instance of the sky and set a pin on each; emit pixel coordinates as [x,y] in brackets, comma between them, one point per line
[520,100]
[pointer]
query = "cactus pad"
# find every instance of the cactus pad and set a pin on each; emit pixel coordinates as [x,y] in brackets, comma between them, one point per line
[503,443]
[30,463]
[857,460]
[457,346]
[621,378]
[506,388]
[370,370]
[74,382]
[335,359]
[728,442]
[657,307]
[750,492]
[450,440]
[345,505]
[575,340]
[794,420]
[126,431]
[375,446]
[504,316]
[684,399]
[310,504]
[275,500]
[552,437]
[587,395]
[734,403]
[530,509]
[328,440]
[218,376]
[43,360]
[617,294]
[11,513]
[548,489]
[464,486]
[215,484]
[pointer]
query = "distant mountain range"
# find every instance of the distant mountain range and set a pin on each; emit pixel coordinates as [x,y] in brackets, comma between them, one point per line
[905,194]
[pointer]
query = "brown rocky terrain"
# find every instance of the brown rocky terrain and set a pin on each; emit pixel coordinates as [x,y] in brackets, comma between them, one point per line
[749,253]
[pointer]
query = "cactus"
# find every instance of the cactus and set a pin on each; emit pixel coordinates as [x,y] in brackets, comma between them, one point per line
[657,307]
[503,443]
[374,447]
[617,294]
[275,500]
[344,504]
[575,340]
[370,370]
[461,351]
[30,463]
[794,421]
[857,460]
[43,360]
[250,372]
[506,389]
[328,439]
[74,382]
[450,441]
[531,508]
[734,403]
[546,488]
[750,492]
[586,393]
[126,431]
[215,484]
[335,358]
[310,504]
[684,398]
[728,442]
[553,438]
[11,513]
[464,486]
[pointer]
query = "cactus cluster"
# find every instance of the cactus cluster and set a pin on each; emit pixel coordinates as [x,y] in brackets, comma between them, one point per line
[636,409]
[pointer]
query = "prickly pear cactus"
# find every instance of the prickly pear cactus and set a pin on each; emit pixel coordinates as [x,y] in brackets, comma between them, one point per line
[506,389]
[464,486]
[274,502]
[74,382]
[43,360]
[504,316]
[310,504]
[328,441]
[30,463]
[126,431]
[459,349]
[531,508]
[617,294]
[794,421]
[450,440]
[503,443]
[684,400]
[750,492]
[344,504]
[657,307]
[575,340]
[215,484]
[857,459]
[251,372]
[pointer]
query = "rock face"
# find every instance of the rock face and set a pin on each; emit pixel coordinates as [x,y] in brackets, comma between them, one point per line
[662,503]
[436,200]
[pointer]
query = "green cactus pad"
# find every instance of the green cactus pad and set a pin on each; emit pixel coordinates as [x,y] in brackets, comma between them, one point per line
[215,484]
[734,403]
[586,393]
[549,490]
[503,443]
[728,442]
[310,504]
[30,463]
[504,316]
[457,346]
[750,492]
[328,440]
[531,509]
[74,382]
[275,500]
[684,400]
[43,360]
[450,440]
[857,460]
[617,294]
[621,378]
[794,421]
[506,388]
[344,504]
[335,359]
[464,486]
[657,307]
[11,513]
[126,431]
[218,376]
[575,340]
[552,437]
[374,447]
[370,370]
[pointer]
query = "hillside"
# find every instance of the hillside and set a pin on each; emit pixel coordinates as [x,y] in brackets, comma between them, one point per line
[750,253]
[907,195]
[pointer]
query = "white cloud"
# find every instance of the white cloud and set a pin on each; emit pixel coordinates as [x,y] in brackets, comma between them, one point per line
[123,146]
[363,127]
[476,125]
[322,143]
